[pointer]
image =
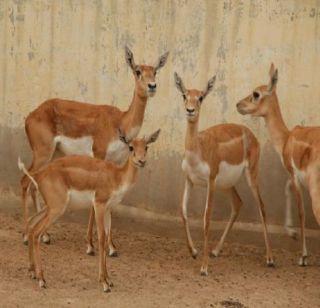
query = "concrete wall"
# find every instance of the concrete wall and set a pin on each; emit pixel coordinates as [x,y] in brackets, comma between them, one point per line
[74,49]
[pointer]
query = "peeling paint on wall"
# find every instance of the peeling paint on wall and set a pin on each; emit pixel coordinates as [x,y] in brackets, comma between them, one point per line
[74,49]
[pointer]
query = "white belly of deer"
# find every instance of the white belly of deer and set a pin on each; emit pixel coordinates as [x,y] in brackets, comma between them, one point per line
[75,146]
[197,170]
[79,199]
[228,174]
[117,196]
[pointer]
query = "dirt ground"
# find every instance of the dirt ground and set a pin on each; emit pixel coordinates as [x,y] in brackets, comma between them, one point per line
[154,268]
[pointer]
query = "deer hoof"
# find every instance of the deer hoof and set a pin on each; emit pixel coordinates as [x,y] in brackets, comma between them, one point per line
[90,251]
[303,261]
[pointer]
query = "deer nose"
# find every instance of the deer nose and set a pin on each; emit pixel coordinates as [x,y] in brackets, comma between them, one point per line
[152,86]
[190,110]
[142,162]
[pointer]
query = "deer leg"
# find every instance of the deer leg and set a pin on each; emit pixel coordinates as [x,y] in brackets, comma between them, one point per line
[107,228]
[41,156]
[236,204]
[112,249]
[44,223]
[252,181]
[25,209]
[100,209]
[314,189]
[289,203]
[206,226]
[34,220]
[90,247]
[298,193]
[36,202]
[184,214]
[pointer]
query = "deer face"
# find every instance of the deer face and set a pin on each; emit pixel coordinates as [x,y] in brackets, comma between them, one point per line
[139,147]
[193,98]
[258,102]
[145,75]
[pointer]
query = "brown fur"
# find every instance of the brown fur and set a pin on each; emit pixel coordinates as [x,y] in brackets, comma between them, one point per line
[76,119]
[300,146]
[225,143]
[54,182]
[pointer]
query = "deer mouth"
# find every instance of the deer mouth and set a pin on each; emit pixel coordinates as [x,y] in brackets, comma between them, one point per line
[151,93]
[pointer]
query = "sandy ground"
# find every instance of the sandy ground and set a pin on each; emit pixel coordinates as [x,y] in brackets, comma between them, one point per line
[154,268]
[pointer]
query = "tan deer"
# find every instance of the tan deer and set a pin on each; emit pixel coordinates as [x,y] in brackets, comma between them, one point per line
[73,180]
[216,158]
[87,129]
[299,151]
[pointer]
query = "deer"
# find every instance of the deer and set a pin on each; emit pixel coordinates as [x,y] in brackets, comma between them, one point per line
[299,151]
[216,158]
[79,181]
[77,128]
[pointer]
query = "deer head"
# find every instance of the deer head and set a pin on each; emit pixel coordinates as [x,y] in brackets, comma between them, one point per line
[138,147]
[193,98]
[259,102]
[145,75]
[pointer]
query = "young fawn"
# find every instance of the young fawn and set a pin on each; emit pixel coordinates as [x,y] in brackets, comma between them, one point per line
[298,150]
[72,178]
[216,158]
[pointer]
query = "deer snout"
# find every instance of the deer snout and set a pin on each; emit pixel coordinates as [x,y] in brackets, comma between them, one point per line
[152,86]
[241,107]
[190,110]
[142,162]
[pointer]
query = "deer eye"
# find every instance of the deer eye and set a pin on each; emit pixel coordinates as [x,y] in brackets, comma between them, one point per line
[200,99]
[146,148]
[130,148]
[256,95]
[138,73]
[184,96]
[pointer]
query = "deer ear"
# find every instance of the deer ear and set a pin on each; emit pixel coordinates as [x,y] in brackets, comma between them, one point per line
[273,78]
[162,61]
[179,84]
[122,136]
[129,58]
[271,70]
[209,88]
[153,137]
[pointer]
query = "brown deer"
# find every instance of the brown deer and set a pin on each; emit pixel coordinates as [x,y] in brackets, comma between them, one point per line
[66,180]
[88,129]
[299,151]
[216,158]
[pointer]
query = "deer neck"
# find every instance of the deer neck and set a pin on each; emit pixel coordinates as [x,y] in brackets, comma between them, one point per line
[128,173]
[133,117]
[278,130]
[191,141]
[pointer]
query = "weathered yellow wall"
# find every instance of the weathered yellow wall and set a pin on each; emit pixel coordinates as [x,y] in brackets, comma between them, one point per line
[74,49]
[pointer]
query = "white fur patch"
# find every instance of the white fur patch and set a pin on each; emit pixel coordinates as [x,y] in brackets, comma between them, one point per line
[301,175]
[118,151]
[75,146]
[228,174]
[81,198]
[197,170]
[117,196]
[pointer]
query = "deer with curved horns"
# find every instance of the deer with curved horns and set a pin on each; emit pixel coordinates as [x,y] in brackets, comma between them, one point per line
[216,158]
[299,151]
[77,128]
[72,180]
